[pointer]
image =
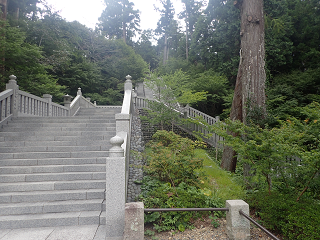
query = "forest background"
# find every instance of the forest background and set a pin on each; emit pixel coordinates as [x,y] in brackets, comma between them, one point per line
[50,55]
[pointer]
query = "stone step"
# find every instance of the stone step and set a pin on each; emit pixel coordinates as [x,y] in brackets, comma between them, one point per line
[54,124]
[42,155]
[55,129]
[51,196]
[60,149]
[101,109]
[53,169]
[53,161]
[50,220]
[76,142]
[64,119]
[46,177]
[51,207]
[50,186]
[28,138]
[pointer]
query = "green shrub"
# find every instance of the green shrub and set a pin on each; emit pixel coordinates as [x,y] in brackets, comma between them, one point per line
[170,158]
[156,194]
[281,213]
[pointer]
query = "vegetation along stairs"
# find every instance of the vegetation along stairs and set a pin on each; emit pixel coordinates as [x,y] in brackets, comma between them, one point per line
[52,169]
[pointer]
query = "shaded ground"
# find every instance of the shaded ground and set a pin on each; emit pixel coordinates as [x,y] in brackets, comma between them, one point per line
[204,230]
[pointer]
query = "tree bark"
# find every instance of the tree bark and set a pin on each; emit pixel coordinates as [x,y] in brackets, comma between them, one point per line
[124,32]
[250,83]
[165,50]
[3,7]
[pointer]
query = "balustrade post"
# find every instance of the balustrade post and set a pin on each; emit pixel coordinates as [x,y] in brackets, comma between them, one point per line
[79,92]
[67,100]
[115,190]
[14,103]
[48,97]
[238,227]
[128,83]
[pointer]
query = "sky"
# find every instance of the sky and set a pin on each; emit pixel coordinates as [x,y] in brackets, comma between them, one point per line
[88,14]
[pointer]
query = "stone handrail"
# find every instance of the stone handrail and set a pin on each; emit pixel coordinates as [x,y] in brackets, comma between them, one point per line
[15,103]
[78,102]
[191,113]
[6,98]
[117,167]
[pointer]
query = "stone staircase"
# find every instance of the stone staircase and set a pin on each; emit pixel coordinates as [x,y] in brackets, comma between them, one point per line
[52,170]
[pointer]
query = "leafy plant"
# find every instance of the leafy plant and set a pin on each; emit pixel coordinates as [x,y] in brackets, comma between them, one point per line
[285,156]
[281,213]
[182,196]
[170,158]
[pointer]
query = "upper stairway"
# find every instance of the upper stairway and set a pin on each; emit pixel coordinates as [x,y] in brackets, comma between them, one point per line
[52,169]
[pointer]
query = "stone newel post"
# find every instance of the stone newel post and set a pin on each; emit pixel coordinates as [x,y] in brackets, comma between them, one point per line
[128,83]
[14,86]
[238,227]
[115,190]
[67,100]
[48,97]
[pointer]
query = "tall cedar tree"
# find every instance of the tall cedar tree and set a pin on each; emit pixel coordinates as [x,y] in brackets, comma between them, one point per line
[164,24]
[119,19]
[250,84]
[191,13]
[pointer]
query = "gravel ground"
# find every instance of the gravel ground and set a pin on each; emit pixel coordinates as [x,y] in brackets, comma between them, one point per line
[204,230]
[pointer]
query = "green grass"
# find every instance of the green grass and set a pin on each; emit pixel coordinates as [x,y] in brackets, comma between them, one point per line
[222,183]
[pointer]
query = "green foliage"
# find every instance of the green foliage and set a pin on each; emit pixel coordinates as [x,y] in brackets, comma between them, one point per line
[286,157]
[170,158]
[217,92]
[24,60]
[281,213]
[288,92]
[170,90]
[119,20]
[214,221]
[181,196]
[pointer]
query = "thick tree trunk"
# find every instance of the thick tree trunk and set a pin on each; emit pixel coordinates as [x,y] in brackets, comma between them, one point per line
[250,83]
[124,32]
[165,50]
[3,7]
[187,46]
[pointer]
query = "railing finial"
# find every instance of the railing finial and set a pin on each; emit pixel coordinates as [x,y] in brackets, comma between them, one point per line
[12,83]
[128,83]
[116,150]
[12,77]
[79,92]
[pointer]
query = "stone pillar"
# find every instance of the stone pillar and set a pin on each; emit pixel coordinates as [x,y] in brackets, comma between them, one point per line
[238,227]
[14,107]
[48,97]
[79,92]
[67,100]
[134,221]
[115,190]
[128,83]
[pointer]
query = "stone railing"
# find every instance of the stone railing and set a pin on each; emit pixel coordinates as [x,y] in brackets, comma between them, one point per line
[190,126]
[117,167]
[78,102]
[16,103]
